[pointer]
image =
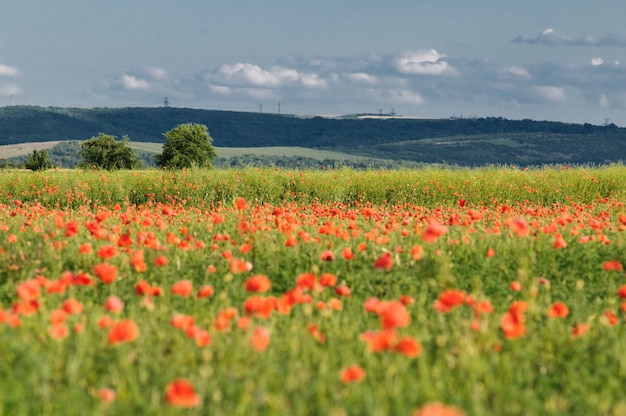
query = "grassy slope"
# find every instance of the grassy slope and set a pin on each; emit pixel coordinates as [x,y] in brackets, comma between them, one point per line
[13,150]
[466,142]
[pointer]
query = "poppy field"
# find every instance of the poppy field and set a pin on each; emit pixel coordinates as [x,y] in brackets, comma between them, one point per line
[418,292]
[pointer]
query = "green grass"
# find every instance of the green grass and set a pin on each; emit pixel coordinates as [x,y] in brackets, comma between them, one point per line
[13,150]
[197,221]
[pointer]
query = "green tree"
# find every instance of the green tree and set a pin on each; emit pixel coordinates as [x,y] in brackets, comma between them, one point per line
[38,161]
[187,145]
[104,152]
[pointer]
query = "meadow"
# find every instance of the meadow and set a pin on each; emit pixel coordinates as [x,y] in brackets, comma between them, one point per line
[266,291]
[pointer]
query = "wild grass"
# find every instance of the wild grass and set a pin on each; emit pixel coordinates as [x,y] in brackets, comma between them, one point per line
[497,237]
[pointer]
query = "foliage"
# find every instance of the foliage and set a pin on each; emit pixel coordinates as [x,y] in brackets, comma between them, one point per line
[427,187]
[38,160]
[186,146]
[104,152]
[458,141]
[492,291]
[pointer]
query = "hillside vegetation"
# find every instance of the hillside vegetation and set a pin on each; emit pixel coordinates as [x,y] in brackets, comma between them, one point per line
[465,142]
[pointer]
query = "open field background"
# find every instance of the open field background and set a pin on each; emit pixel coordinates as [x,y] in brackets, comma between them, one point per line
[23,149]
[270,291]
[455,141]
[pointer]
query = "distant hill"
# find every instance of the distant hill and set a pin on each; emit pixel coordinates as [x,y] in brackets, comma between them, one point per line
[468,142]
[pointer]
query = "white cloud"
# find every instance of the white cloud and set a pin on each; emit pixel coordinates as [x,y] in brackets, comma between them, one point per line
[603,100]
[597,61]
[553,38]
[312,81]
[422,62]
[551,93]
[345,85]
[10,89]
[405,97]
[9,71]
[156,72]
[241,73]
[518,71]
[220,89]
[245,74]
[362,77]
[132,83]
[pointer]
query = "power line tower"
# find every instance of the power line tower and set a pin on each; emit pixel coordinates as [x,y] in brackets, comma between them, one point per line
[166,103]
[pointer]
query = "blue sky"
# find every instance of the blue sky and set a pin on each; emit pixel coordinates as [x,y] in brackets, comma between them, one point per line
[539,59]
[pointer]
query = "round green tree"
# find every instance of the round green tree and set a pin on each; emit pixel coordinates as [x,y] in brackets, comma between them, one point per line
[38,161]
[186,146]
[104,152]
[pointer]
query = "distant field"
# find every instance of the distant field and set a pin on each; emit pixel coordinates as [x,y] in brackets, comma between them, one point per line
[14,150]
[262,151]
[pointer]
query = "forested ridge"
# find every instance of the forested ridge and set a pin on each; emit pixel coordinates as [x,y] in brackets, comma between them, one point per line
[469,141]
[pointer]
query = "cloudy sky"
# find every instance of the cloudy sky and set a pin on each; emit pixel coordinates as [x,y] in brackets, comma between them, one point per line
[539,59]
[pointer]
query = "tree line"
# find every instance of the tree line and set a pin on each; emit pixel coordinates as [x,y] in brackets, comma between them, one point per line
[186,146]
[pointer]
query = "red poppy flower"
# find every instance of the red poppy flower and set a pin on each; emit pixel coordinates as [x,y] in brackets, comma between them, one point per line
[347,253]
[433,232]
[144,288]
[57,316]
[408,347]
[352,374]
[181,393]
[28,290]
[384,262]
[161,261]
[394,315]
[612,266]
[105,394]
[106,252]
[240,203]
[114,304]
[327,255]
[380,340]
[182,288]
[579,330]
[137,261]
[520,227]
[328,280]
[106,322]
[416,252]
[123,331]
[343,291]
[306,281]
[558,310]
[205,291]
[58,331]
[182,321]
[611,317]
[107,273]
[260,338]
[200,336]
[72,306]
[240,266]
[85,248]
[334,304]
[259,283]
[559,241]
[438,409]
[512,322]
[449,300]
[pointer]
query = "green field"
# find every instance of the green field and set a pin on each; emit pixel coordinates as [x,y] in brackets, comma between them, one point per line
[13,150]
[271,292]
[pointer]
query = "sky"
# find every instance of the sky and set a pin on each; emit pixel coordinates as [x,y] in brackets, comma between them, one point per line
[560,60]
